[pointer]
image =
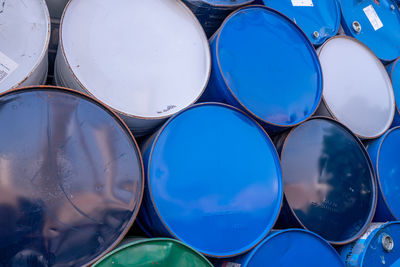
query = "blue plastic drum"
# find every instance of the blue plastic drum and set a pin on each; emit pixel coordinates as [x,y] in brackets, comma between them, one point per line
[265,65]
[385,154]
[213,181]
[329,182]
[288,248]
[378,247]
[375,23]
[394,73]
[319,20]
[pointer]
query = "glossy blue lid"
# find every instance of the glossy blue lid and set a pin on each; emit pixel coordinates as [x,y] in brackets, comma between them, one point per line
[215,179]
[380,25]
[328,180]
[294,247]
[319,20]
[389,170]
[269,65]
[394,74]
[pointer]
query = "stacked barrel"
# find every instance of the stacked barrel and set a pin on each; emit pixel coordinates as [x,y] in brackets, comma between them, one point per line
[199,133]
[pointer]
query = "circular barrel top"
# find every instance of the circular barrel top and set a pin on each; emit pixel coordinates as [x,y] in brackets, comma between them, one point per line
[329,181]
[357,89]
[145,59]
[395,77]
[215,180]
[24,38]
[269,66]
[70,178]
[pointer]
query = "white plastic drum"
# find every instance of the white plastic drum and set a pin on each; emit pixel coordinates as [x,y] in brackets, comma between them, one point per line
[147,60]
[24,39]
[357,89]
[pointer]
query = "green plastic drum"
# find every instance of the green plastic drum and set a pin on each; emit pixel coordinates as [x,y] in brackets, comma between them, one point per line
[153,252]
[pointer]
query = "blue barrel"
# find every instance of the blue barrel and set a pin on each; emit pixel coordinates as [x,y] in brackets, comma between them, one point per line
[384,153]
[375,23]
[379,246]
[320,20]
[288,248]
[265,65]
[211,13]
[394,74]
[71,178]
[213,181]
[329,182]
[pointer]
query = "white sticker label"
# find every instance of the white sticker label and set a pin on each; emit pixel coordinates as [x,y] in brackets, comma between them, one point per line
[373,17]
[231,264]
[7,66]
[302,3]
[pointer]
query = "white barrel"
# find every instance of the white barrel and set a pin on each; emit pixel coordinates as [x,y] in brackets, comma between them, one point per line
[147,60]
[357,89]
[24,40]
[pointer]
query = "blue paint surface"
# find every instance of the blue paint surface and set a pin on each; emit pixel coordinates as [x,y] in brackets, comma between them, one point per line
[394,73]
[323,17]
[213,180]
[384,42]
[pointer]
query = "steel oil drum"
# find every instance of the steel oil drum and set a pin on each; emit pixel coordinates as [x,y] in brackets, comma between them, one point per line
[379,246]
[288,248]
[71,178]
[394,74]
[329,182]
[146,60]
[211,13]
[384,155]
[161,252]
[357,89]
[265,65]
[213,181]
[320,20]
[24,39]
[375,23]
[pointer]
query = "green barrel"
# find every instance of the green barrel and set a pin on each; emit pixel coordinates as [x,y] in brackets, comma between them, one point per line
[153,252]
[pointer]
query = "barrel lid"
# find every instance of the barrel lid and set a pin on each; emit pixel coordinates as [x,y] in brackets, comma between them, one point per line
[155,251]
[21,21]
[319,20]
[329,180]
[215,180]
[145,59]
[357,89]
[71,177]
[221,3]
[269,65]
[375,23]
[395,77]
[294,247]
[388,170]
[383,246]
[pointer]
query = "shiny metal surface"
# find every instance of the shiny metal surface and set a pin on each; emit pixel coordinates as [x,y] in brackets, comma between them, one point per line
[265,65]
[319,21]
[213,180]
[71,178]
[329,181]
[288,248]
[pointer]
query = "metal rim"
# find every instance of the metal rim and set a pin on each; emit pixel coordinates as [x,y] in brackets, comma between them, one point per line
[217,34]
[158,134]
[61,47]
[123,126]
[46,46]
[371,214]
[323,101]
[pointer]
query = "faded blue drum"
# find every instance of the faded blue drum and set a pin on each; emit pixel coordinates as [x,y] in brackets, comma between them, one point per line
[320,20]
[375,23]
[379,246]
[265,65]
[329,182]
[385,154]
[288,248]
[394,74]
[213,181]
[211,13]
